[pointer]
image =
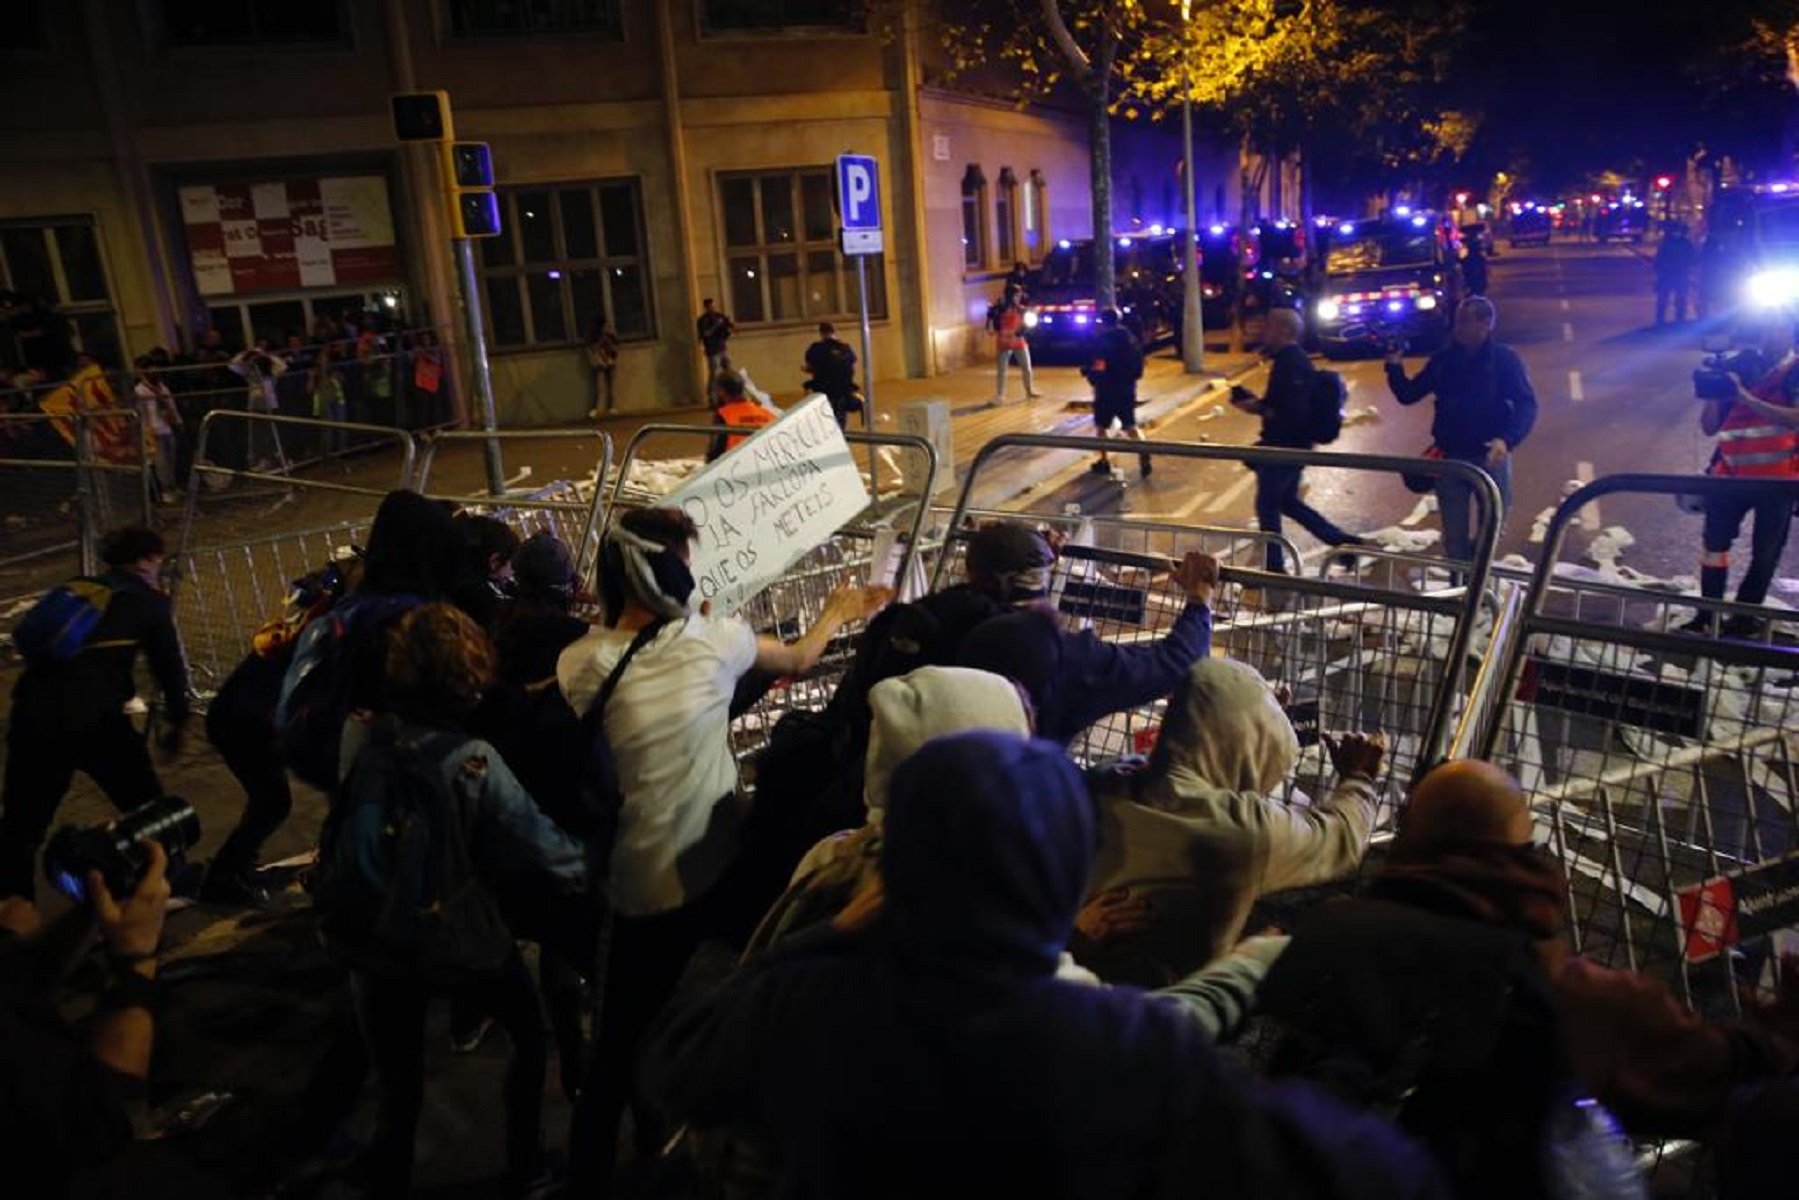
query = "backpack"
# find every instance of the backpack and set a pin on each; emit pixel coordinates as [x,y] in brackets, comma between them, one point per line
[321,686]
[601,795]
[395,887]
[62,622]
[1326,395]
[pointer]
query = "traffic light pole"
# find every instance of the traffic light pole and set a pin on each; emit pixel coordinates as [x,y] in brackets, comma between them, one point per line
[477,347]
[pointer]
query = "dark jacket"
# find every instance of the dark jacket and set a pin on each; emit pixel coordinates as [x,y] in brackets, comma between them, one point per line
[1115,365]
[1285,417]
[833,366]
[1075,679]
[937,1054]
[99,681]
[1481,395]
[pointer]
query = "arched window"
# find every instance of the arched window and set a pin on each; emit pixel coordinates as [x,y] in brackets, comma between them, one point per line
[974,218]
[1005,217]
[1036,215]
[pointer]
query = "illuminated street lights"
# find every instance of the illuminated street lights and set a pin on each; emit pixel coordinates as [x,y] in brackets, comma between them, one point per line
[1193,328]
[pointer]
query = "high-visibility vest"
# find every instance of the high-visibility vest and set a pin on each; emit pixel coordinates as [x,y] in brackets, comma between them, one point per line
[1752,447]
[1009,328]
[745,413]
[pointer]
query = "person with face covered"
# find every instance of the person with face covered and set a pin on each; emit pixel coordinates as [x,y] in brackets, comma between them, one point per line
[1198,832]
[1453,978]
[676,875]
[925,1046]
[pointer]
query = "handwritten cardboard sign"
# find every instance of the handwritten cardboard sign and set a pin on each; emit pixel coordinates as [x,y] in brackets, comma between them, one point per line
[768,501]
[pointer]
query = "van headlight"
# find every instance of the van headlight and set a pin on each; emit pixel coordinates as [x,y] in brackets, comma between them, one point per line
[1426,303]
[1773,287]
[1329,310]
[1030,320]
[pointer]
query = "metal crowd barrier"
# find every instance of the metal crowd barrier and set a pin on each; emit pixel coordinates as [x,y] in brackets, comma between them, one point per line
[226,578]
[1660,762]
[793,603]
[67,478]
[1231,546]
[1365,656]
[569,508]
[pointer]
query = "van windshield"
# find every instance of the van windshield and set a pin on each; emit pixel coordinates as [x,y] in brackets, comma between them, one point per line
[1379,250]
[1068,266]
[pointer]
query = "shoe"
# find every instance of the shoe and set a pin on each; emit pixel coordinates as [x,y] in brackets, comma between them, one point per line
[1144,465]
[1744,628]
[1100,467]
[1705,622]
[234,886]
[467,1041]
[1033,395]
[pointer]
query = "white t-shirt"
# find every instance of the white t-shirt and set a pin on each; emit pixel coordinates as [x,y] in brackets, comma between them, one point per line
[668,723]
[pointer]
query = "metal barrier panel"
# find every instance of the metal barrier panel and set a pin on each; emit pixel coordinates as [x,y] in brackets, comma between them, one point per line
[893,520]
[1660,761]
[1357,654]
[1231,546]
[568,507]
[67,479]
[228,574]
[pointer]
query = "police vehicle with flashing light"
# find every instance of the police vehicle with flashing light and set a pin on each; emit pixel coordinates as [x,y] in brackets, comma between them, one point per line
[1224,257]
[1387,280]
[1751,257]
[1531,225]
[1625,220]
[1063,317]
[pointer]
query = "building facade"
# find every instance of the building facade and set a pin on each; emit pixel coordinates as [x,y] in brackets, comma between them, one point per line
[182,165]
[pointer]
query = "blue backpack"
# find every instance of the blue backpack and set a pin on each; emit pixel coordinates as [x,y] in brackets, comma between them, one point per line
[395,887]
[62,623]
[335,654]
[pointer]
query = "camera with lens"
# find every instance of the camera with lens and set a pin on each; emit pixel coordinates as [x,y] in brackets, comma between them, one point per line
[1712,379]
[115,849]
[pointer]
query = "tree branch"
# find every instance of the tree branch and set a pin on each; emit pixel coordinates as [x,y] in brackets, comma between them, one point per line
[1064,40]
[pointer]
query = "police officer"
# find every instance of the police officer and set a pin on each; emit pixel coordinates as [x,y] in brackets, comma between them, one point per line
[1674,260]
[833,368]
[1758,435]
[1114,366]
[69,716]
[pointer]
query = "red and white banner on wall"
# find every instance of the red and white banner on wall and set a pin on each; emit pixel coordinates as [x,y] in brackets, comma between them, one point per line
[282,235]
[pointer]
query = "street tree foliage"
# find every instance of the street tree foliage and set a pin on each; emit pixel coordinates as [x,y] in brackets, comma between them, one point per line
[1750,79]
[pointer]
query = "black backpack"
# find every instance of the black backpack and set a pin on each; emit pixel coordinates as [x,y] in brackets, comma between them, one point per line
[1326,396]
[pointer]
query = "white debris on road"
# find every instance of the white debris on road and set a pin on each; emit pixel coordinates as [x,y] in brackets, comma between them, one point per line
[1606,549]
[1425,507]
[1368,414]
[1539,526]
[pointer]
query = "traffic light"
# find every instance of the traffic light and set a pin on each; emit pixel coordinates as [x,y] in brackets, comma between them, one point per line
[1663,182]
[474,209]
[1461,199]
[423,117]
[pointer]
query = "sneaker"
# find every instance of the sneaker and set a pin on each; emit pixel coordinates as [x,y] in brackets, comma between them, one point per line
[235,887]
[467,1041]
[1704,622]
[1100,467]
[1033,395]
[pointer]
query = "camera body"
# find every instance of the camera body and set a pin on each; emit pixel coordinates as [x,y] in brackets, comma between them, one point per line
[1712,378]
[115,849]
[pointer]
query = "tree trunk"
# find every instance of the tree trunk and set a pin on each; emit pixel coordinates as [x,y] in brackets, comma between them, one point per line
[1099,93]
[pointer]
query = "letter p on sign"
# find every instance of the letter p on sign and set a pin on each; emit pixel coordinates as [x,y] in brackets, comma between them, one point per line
[859,202]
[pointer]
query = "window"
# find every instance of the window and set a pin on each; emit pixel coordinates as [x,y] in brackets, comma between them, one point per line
[268,23]
[1036,214]
[1005,217]
[974,222]
[56,266]
[739,16]
[569,255]
[523,18]
[781,252]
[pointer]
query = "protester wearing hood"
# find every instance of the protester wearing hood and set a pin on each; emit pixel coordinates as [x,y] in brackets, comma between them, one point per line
[484,579]
[1199,832]
[666,675]
[973,1070]
[1451,980]
[1076,678]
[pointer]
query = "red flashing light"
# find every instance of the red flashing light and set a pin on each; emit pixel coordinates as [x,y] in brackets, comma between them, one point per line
[1663,182]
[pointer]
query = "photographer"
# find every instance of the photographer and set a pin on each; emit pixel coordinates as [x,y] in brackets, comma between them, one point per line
[63,1097]
[1757,439]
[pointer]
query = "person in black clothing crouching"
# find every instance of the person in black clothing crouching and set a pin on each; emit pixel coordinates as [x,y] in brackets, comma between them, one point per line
[69,716]
[1485,409]
[1286,422]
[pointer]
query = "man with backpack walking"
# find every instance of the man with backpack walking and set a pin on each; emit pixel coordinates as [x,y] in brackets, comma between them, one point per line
[80,643]
[1115,366]
[1302,408]
[1486,407]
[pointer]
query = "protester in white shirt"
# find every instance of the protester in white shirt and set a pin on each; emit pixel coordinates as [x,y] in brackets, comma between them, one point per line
[677,875]
[159,418]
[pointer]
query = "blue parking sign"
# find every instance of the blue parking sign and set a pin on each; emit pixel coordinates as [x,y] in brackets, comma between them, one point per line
[859,203]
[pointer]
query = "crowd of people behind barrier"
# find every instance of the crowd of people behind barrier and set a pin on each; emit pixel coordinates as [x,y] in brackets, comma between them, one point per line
[967,964]
[365,368]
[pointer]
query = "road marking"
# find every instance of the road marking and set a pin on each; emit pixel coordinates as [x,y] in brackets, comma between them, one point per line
[1567,331]
[1574,389]
[1564,304]
[1589,514]
[1227,497]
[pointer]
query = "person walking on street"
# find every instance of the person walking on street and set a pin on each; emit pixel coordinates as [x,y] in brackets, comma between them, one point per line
[1286,412]
[1485,409]
[1006,319]
[1758,436]
[1674,260]
[833,368]
[715,330]
[68,708]
[1115,366]
[602,359]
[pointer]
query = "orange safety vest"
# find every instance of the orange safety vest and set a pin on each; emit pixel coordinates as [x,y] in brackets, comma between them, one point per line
[1009,327]
[746,413]
[1752,447]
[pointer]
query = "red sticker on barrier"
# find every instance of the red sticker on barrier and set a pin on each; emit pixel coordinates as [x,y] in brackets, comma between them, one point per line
[1708,919]
[1144,740]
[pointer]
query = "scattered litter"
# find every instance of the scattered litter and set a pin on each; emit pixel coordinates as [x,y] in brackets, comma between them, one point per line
[1211,414]
[1425,507]
[519,476]
[1406,541]
[1612,542]
[1366,415]
[1539,527]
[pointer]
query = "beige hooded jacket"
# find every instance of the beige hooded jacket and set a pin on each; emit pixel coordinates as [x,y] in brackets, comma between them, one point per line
[1200,833]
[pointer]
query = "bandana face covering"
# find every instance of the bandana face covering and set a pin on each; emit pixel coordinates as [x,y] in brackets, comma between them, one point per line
[654,575]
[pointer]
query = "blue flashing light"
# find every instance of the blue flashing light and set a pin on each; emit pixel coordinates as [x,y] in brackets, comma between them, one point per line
[1081,318]
[1420,222]
[1064,244]
[1157,228]
[1124,241]
[1280,224]
[1404,210]
[1217,230]
[1346,229]
[1322,222]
